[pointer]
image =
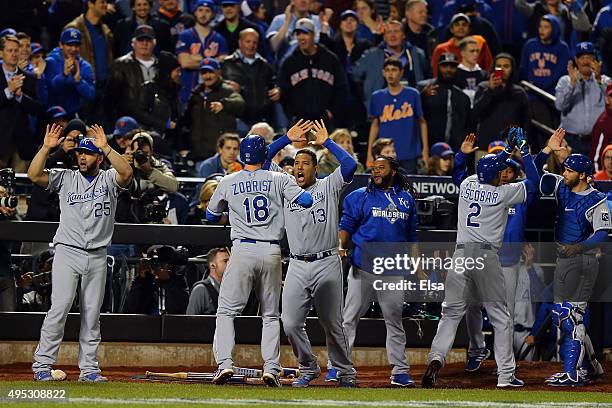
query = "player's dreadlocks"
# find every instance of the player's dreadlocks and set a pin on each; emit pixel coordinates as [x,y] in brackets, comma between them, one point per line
[400,179]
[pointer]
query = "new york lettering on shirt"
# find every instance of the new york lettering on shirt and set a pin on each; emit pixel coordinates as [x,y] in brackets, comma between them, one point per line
[542,58]
[315,73]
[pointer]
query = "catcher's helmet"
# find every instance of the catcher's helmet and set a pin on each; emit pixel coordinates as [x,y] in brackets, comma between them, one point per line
[488,168]
[253,149]
[579,163]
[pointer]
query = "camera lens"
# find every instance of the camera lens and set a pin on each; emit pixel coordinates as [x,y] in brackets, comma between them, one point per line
[10,202]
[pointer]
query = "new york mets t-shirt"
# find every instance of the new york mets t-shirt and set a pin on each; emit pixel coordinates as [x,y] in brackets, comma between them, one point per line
[398,117]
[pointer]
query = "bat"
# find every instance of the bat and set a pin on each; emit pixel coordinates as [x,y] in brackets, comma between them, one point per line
[238,372]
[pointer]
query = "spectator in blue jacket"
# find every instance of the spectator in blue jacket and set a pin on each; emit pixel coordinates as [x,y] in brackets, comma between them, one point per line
[543,62]
[69,77]
[368,69]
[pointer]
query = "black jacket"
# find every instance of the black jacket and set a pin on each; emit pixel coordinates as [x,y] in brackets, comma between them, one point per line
[44,205]
[124,31]
[435,112]
[144,295]
[231,37]
[127,94]
[426,40]
[501,107]
[255,81]
[312,84]
[204,125]
[14,117]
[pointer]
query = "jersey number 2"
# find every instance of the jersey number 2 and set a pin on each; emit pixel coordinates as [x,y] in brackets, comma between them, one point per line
[259,208]
[474,214]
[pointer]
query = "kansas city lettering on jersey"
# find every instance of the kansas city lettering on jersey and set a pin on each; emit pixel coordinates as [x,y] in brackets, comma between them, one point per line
[316,198]
[390,113]
[315,73]
[251,186]
[489,197]
[74,198]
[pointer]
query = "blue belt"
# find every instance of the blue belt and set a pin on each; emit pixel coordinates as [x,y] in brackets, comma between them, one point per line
[254,241]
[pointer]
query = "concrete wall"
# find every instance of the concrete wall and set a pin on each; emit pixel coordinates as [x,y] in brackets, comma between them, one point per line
[179,354]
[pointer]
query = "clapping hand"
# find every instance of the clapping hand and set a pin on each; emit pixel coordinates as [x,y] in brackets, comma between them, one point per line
[297,133]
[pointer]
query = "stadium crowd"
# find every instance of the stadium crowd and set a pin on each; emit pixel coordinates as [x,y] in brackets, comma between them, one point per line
[176,84]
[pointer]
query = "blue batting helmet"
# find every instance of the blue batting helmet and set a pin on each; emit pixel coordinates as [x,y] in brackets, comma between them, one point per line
[87,145]
[253,149]
[488,168]
[579,163]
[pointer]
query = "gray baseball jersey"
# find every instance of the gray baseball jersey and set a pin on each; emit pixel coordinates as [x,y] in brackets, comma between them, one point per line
[315,229]
[483,210]
[87,209]
[254,199]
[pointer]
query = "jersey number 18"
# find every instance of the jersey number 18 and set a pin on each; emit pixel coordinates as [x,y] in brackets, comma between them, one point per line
[256,208]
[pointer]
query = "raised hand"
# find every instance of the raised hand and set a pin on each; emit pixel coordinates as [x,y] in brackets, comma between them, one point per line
[321,132]
[521,142]
[52,136]
[99,136]
[555,142]
[297,133]
[467,147]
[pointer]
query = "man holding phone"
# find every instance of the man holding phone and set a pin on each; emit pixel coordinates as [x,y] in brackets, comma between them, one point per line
[499,102]
[580,97]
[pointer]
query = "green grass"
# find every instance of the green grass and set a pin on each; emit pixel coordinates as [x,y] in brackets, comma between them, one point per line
[200,392]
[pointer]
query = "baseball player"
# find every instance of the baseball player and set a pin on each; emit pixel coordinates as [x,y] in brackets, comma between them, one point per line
[255,199]
[509,253]
[582,223]
[483,212]
[315,269]
[384,211]
[88,199]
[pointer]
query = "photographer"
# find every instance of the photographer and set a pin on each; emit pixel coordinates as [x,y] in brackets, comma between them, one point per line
[44,205]
[7,284]
[34,285]
[152,178]
[159,286]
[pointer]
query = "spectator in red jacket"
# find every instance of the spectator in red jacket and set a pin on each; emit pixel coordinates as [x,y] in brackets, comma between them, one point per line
[606,164]
[460,28]
[601,135]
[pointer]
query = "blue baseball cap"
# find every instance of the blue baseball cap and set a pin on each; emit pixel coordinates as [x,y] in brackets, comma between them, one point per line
[209,64]
[349,13]
[36,48]
[584,48]
[514,164]
[70,36]
[441,149]
[56,112]
[230,2]
[87,144]
[125,125]
[496,146]
[203,3]
[8,31]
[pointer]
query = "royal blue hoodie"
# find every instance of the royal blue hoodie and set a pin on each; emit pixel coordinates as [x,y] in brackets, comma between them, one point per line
[543,64]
